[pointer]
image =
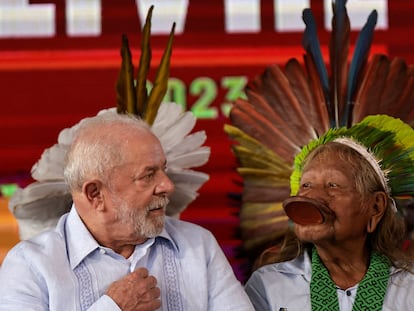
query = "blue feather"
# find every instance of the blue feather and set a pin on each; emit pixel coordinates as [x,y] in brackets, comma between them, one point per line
[310,43]
[361,51]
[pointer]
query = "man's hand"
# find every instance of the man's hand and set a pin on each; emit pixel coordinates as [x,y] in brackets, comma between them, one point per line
[136,292]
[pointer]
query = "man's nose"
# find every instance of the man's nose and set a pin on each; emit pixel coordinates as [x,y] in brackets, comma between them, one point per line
[314,192]
[165,185]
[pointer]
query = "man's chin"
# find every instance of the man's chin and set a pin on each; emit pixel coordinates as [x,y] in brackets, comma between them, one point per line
[155,227]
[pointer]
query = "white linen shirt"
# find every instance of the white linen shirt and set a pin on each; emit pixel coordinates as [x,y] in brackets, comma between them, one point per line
[285,286]
[66,269]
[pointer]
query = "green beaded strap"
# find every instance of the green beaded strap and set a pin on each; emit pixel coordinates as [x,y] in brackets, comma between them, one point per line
[370,293]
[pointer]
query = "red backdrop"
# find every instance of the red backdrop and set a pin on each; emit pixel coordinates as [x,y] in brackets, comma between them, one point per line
[49,82]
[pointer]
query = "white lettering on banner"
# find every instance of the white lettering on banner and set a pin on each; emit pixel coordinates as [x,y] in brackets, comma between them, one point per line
[164,14]
[358,11]
[83,18]
[19,18]
[242,16]
[288,15]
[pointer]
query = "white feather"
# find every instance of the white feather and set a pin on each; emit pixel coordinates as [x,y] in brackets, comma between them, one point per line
[194,158]
[39,206]
[50,165]
[177,131]
[189,179]
[167,116]
[188,143]
[186,183]
[171,124]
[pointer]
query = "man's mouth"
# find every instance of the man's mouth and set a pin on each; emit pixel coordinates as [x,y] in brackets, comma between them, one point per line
[158,206]
[154,208]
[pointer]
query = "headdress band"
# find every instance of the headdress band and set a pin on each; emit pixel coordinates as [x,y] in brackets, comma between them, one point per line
[373,161]
[369,156]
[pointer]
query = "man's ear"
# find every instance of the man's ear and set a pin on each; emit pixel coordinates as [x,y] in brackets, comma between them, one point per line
[377,208]
[93,192]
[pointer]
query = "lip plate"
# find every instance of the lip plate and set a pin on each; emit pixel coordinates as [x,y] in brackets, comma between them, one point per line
[306,211]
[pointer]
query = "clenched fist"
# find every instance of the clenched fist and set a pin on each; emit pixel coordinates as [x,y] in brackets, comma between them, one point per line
[136,292]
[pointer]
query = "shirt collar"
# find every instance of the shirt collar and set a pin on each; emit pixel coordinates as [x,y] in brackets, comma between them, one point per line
[166,235]
[80,242]
[300,266]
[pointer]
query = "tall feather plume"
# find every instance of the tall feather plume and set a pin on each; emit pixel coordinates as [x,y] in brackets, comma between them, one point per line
[339,48]
[321,117]
[279,93]
[289,106]
[135,99]
[373,82]
[359,60]
[309,95]
[125,95]
[311,44]
[386,87]
[144,66]
[161,82]
[404,104]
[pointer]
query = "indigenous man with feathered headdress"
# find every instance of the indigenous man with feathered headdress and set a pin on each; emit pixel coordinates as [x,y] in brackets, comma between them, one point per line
[328,167]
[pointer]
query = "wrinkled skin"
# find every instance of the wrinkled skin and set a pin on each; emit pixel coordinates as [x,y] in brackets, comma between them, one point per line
[137,291]
[330,182]
[341,240]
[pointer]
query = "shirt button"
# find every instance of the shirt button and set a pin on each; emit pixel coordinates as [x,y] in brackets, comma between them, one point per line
[348,293]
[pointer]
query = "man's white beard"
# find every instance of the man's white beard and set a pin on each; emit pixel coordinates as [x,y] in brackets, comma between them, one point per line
[139,219]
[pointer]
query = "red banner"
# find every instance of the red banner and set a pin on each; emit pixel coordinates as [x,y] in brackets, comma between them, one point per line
[59,59]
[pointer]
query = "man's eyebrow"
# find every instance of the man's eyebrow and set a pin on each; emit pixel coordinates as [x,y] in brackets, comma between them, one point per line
[150,168]
[154,167]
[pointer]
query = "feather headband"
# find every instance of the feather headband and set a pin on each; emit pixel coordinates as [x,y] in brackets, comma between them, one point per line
[369,157]
[387,143]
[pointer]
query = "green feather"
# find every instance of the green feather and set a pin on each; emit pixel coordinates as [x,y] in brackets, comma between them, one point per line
[389,139]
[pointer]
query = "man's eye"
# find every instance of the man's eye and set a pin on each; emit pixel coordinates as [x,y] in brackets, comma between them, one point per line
[306,185]
[149,176]
[146,177]
[332,185]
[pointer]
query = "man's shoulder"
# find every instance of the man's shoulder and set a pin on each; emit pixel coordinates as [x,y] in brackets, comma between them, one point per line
[184,226]
[43,244]
[42,251]
[181,229]
[46,241]
[296,266]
